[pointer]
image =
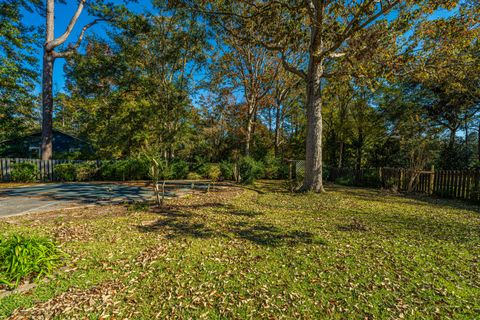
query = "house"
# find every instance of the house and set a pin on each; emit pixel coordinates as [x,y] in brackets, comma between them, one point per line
[29,146]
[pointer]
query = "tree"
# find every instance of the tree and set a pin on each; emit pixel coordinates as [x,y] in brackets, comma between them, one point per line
[447,70]
[138,82]
[321,31]
[17,70]
[104,11]
[248,68]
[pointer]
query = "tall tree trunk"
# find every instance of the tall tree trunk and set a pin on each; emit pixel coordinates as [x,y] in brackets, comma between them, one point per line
[313,163]
[47,89]
[277,130]
[478,142]
[248,135]
[451,143]
[359,150]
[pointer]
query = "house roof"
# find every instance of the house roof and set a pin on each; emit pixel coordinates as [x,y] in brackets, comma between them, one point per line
[39,132]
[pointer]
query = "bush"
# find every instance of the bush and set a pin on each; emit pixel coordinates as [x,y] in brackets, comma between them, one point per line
[129,169]
[85,171]
[24,172]
[108,170]
[179,169]
[159,170]
[213,172]
[65,172]
[227,170]
[193,176]
[24,258]
[275,169]
[250,170]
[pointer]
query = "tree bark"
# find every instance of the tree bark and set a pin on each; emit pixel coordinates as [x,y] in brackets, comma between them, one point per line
[359,150]
[47,90]
[313,163]
[277,129]
[340,155]
[478,142]
[248,135]
[47,106]
[453,133]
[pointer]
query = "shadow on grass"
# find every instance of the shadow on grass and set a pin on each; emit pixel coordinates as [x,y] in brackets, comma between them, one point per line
[385,196]
[414,226]
[178,227]
[270,235]
[255,232]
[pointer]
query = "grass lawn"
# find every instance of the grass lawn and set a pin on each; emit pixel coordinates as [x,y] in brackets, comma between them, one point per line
[349,254]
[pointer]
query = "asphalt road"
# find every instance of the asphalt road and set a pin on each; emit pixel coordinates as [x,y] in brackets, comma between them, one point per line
[45,197]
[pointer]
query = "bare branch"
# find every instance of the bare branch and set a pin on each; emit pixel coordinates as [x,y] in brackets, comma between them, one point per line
[60,40]
[73,48]
[291,68]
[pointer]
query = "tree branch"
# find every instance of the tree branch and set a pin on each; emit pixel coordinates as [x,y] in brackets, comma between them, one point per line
[60,40]
[290,68]
[73,48]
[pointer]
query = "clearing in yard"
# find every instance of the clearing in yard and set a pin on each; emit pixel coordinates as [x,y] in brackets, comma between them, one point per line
[243,253]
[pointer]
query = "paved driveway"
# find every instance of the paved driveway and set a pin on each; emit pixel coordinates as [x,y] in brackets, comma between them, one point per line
[21,200]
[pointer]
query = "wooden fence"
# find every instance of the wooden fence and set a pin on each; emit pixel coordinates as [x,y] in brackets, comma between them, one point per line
[459,184]
[45,167]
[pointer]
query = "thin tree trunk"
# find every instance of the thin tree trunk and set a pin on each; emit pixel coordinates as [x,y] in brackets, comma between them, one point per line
[248,136]
[313,163]
[47,90]
[277,130]
[478,142]
[453,133]
[340,155]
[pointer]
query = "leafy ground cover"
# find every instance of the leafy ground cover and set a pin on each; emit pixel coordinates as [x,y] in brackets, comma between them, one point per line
[260,253]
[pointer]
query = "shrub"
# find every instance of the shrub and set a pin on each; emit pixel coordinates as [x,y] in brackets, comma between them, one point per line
[65,172]
[159,169]
[227,170]
[24,172]
[213,172]
[85,171]
[136,168]
[275,168]
[179,169]
[194,176]
[250,170]
[24,258]
[129,169]
[108,170]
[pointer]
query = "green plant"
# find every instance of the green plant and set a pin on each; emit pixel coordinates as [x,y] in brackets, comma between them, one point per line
[24,258]
[24,172]
[179,169]
[85,171]
[227,170]
[138,207]
[194,176]
[213,172]
[250,170]
[65,172]
[274,168]
[127,169]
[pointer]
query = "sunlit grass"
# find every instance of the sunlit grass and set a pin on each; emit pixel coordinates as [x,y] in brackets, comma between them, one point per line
[351,253]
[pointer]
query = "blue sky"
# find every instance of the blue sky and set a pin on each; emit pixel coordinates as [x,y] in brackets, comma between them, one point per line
[63,14]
